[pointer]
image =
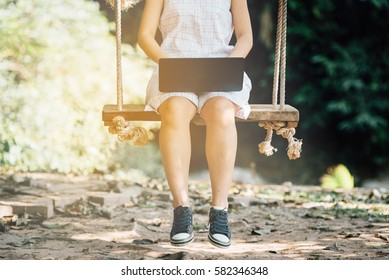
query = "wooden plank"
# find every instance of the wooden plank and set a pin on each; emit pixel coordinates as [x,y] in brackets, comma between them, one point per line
[266,112]
[259,112]
[41,207]
[131,112]
[292,124]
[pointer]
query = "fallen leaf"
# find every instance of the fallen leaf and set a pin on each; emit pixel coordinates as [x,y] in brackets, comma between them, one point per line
[317,214]
[52,226]
[322,228]
[153,228]
[332,248]
[260,231]
[143,242]
[352,235]
[27,241]
[175,256]
[383,236]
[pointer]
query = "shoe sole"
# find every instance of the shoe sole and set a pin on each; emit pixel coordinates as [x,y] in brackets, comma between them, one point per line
[218,243]
[182,242]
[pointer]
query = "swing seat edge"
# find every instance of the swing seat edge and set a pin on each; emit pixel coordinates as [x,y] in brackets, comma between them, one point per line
[258,113]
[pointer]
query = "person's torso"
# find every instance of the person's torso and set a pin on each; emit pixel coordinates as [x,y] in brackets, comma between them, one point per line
[194,28]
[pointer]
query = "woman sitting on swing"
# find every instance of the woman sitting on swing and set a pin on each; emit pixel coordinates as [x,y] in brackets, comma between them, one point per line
[200,28]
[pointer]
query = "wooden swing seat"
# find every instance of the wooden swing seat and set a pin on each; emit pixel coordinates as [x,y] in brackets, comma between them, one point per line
[259,113]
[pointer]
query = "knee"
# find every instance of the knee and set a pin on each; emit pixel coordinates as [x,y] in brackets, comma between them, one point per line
[177,111]
[219,112]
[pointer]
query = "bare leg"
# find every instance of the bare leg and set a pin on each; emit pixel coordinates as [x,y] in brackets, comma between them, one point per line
[176,114]
[221,145]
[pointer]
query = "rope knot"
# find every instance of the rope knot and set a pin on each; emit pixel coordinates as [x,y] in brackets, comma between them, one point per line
[294,148]
[294,145]
[139,136]
[266,148]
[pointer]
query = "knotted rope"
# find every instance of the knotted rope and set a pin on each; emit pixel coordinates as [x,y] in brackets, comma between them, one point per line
[139,136]
[294,145]
[265,147]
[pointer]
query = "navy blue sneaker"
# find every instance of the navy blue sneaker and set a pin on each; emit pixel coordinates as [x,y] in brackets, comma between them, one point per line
[182,230]
[219,231]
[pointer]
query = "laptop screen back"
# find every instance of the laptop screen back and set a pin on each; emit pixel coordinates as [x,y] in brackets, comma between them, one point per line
[201,74]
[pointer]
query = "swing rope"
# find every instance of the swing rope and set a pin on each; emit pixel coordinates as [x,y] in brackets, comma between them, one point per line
[294,145]
[139,136]
[119,83]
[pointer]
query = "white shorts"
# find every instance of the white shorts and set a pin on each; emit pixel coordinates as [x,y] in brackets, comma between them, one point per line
[154,98]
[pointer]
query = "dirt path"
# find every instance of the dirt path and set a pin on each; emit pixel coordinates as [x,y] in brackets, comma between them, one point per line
[100,218]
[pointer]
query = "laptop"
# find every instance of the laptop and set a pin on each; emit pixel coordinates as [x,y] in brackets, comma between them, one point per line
[201,74]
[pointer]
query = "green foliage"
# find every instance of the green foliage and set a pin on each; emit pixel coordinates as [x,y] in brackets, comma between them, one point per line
[337,177]
[57,69]
[337,77]
[339,63]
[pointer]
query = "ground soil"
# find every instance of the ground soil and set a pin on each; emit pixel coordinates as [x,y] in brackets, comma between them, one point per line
[267,221]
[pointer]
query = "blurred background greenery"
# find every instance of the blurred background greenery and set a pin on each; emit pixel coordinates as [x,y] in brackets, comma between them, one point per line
[57,69]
